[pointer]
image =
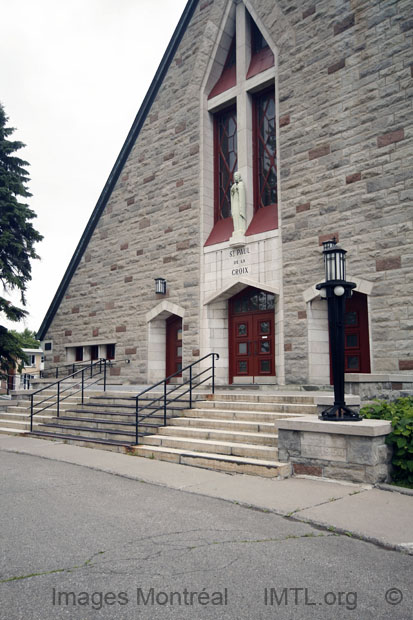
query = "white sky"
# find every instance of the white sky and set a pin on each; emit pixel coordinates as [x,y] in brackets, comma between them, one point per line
[73,74]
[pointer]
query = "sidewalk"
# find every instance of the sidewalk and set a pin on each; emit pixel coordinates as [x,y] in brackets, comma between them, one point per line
[379,516]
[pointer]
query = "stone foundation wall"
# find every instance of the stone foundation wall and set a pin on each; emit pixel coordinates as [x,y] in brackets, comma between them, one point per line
[329,450]
[385,387]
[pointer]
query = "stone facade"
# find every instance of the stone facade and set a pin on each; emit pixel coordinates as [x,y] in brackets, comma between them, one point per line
[343,78]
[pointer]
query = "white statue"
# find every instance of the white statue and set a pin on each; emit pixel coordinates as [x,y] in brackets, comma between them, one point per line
[238,208]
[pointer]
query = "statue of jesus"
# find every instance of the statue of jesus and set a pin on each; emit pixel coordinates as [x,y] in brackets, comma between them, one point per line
[238,207]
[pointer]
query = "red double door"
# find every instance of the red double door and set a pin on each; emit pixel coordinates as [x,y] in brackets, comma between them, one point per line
[252,345]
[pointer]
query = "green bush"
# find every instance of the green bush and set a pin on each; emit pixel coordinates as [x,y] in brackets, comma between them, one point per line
[400,413]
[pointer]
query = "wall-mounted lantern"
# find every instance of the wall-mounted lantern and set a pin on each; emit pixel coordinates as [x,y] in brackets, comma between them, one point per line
[336,290]
[160,286]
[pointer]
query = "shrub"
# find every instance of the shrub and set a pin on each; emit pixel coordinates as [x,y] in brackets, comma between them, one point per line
[400,413]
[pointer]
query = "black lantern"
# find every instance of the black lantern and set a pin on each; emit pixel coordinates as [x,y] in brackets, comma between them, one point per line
[160,286]
[336,290]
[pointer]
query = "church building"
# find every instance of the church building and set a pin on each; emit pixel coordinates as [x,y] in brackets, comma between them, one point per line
[270,127]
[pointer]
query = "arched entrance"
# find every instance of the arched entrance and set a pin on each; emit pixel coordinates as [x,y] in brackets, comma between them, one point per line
[251,335]
[164,340]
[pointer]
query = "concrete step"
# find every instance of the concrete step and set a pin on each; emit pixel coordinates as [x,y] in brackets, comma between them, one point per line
[217,462]
[122,416]
[118,405]
[89,432]
[101,444]
[250,416]
[225,424]
[261,397]
[262,439]
[4,430]
[302,408]
[212,446]
[111,424]
[22,423]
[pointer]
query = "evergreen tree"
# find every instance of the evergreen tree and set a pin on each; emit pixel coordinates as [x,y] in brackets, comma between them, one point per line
[17,240]
[27,338]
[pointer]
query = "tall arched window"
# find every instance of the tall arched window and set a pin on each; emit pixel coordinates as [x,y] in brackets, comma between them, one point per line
[242,104]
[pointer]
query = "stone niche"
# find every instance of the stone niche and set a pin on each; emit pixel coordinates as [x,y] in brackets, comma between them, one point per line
[352,451]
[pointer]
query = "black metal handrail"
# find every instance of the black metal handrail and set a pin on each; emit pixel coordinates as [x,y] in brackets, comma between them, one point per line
[165,399]
[56,370]
[100,366]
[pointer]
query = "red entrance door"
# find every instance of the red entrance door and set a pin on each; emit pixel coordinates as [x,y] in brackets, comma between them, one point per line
[251,335]
[356,335]
[173,345]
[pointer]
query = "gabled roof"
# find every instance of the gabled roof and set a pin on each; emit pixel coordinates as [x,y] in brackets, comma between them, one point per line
[120,162]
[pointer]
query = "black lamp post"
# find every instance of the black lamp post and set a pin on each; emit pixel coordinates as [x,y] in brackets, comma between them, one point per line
[336,290]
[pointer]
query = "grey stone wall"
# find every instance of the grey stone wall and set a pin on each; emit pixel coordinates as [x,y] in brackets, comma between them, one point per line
[345,91]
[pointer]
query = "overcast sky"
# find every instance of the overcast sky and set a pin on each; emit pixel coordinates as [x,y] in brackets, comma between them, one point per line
[73,74]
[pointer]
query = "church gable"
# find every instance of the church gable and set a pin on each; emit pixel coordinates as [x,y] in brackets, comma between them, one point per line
[292,105]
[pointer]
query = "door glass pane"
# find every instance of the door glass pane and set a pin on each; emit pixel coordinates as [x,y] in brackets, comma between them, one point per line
[242,367]
[179,351]
[242,329]
[265,346]
[353,362]
[179,366]
[264,327]
[352,340]
[179,334]
[242,348]
[252,300]
[350,318]
[265,365]
[262,301]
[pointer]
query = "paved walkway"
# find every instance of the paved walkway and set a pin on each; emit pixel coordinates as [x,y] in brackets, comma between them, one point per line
[381,516]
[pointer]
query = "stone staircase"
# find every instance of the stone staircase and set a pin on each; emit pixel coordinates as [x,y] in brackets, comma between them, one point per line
[231,432]
[15,414]
[228,432]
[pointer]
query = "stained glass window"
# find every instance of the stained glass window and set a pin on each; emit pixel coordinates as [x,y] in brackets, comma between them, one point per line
[226,160]
[265,150]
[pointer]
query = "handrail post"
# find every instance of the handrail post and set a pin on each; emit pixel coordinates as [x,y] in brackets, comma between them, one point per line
[57,372]
[104,376]
[213,373]
[136,419]
[83,385]
[91,368]
[31,413]
[58,399]
[190,387]
[164,402]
